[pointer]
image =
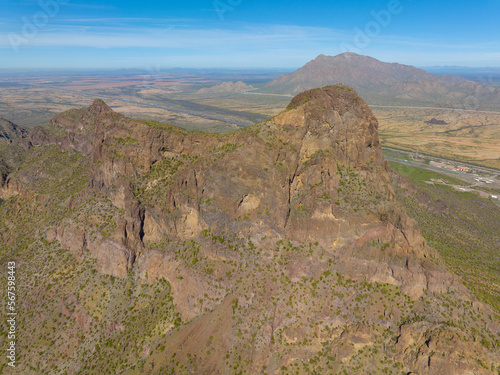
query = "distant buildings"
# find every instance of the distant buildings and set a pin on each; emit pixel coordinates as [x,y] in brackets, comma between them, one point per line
[485,180]
[450,167]
[437,164]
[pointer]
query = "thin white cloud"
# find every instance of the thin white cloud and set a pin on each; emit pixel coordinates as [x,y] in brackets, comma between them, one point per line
[106,20]
[90,6]
[131,32]
[175,36]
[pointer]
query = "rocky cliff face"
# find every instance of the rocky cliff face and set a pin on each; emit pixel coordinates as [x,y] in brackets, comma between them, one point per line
[313,173]
[301,199]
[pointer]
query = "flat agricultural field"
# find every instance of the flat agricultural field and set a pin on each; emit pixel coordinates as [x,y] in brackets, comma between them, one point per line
[463,135]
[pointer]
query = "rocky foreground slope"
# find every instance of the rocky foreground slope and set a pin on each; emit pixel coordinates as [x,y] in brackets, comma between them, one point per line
[276,249]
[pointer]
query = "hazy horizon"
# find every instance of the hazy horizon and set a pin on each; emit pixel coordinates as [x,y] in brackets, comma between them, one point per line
[435,69]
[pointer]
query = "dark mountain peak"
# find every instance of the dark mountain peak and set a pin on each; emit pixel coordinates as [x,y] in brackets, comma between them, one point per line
[99,106]
[340,98]
[333,118]
[74,127]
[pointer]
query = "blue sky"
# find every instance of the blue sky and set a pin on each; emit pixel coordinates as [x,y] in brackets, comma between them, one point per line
[82,34]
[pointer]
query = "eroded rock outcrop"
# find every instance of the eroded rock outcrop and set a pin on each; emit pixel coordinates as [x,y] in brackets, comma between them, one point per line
[315,172]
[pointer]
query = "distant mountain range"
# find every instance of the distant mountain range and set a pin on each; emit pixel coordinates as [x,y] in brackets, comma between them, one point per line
[225,87]
[388,83]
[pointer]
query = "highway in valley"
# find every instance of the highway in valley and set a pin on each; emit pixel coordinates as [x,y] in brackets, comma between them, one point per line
[483,173]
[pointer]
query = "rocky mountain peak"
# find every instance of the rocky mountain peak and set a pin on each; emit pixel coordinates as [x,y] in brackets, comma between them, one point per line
[335,118]
[99,106]
[339,98]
